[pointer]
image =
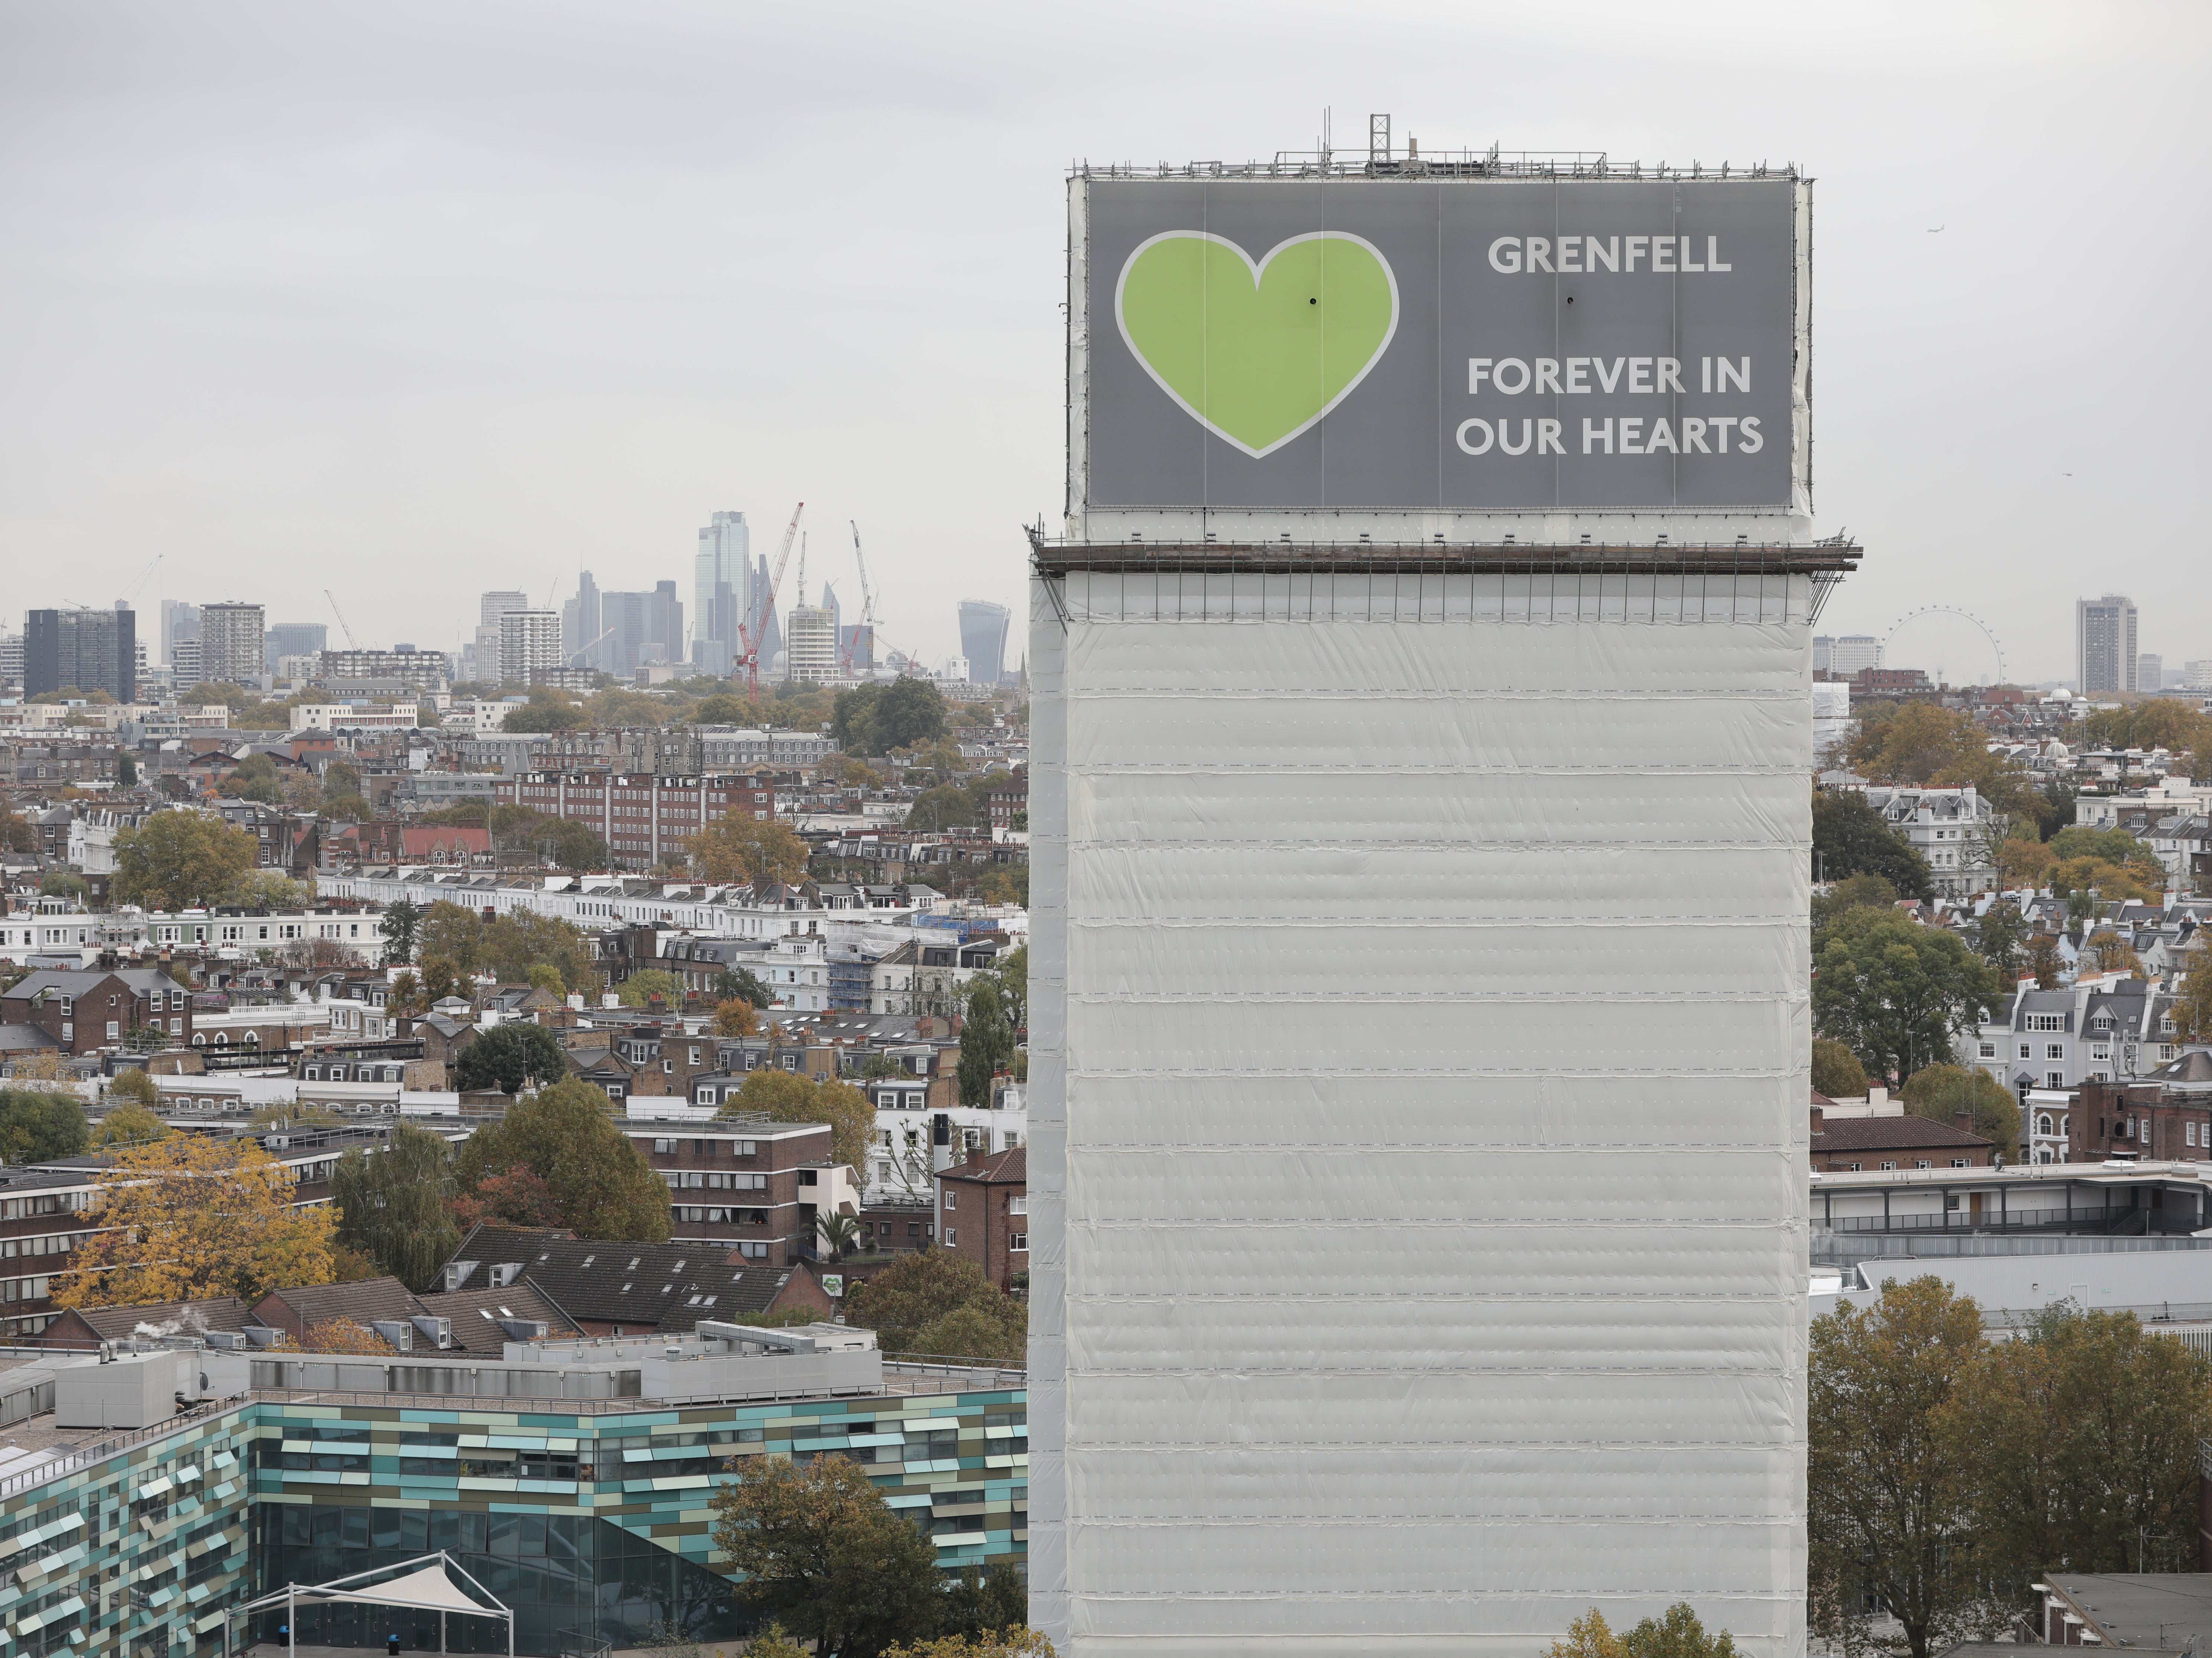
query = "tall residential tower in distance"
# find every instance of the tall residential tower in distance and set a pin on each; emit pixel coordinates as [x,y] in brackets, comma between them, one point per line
[983,639]
[2104,644]
[1421,1309]
[84,650]
[232,648]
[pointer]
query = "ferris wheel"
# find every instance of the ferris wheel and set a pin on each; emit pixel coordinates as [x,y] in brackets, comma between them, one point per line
[1988,632]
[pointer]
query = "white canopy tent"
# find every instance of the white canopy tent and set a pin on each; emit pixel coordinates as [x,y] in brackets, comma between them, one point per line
[424,1587]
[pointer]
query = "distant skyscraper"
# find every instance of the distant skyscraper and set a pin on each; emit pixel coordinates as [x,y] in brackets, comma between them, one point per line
[492,606]
[1821,645]
[185,664]
[293,639]
[88,650]
[11,661]
[983,639]
[760,608]
[231,643]
[180,621]
[640,627]
[2150,673]
[2104,644]
[720,589]
[580,625]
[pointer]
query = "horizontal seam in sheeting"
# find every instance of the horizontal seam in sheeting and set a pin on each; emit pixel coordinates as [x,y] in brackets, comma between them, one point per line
[1471,1297]
[1218,843]
[1760,1448]
[1780,696]
[1484,1148]
[1673,1590]
[1743,1372]
[1471,1073]
[1403,1223]
[1524,923]
[1157,1520]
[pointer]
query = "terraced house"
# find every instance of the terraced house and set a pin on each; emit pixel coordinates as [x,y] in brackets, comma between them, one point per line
[588,1516]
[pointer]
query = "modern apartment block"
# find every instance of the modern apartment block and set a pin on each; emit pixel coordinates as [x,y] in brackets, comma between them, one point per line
[232,643]
[2104,644]
[88,650]
[645,819]
[285,639]
[529,645]
[407,667]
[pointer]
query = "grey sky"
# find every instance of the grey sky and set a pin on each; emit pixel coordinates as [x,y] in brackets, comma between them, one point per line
[411,300]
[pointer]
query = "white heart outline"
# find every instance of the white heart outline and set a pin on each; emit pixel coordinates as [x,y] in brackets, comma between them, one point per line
[1259,272]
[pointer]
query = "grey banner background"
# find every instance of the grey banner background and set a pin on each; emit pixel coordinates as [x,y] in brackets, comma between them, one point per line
[1390,444]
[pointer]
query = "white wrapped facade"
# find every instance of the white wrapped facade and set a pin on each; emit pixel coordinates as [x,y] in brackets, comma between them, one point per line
[1418,1065]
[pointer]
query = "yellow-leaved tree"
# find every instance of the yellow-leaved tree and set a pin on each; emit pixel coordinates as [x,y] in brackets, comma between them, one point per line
[189,1217]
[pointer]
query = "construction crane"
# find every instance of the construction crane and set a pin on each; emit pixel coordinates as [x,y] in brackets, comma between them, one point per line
[867,612]
[576,658]
[351,642]
[752,630]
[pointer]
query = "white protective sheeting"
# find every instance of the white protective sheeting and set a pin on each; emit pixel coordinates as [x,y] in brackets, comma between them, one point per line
[1417,1174]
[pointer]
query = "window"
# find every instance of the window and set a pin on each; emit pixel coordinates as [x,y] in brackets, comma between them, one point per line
[2189,1134]
[2046,1022]
[2054,1050]
[1018,1204]
[2054,1080]
[1988,1050]
[753,1251]
[2100,1051]
[2027,1052]
[951,1197]
[1019,1243]
[1924,1162]
[2142,1131]
[952,1237]
[1887,1166]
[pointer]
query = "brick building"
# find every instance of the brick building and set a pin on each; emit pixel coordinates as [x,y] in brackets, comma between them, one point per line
[644,819]
[747,1185]
[86,1011]
[2147,1121]
[1852,1144]
[984,1206]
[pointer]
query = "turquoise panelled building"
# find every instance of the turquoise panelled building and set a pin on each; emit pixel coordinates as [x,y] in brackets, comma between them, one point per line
[589,1519]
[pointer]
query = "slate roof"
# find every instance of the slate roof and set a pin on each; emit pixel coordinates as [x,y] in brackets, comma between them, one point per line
[476,1313]
[1007,1168]
[215,1312]
[1893,1134]
[363,1301]
[24,1039]
[2195,1067]
[664,1286]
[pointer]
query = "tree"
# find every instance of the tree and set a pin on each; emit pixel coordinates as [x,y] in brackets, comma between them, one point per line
[641,988]
[514,942]
[1850,837]
[62,884]
[393,1206]
[544,976]
[725,710]
[37,1124]
[2111,846]
[932,1296]
[739,846]
[987,1040]
[736,1018]
[1940,1091]
[1677,1634]
[510,1057]
[1853,892]
[1897,993]
[2024,864]
[565,1136]
[179,859]
[2088,1425]
[517,1198]
[2192,1003]
[543,717]
[1835,1071]
[2001,938]
[986,1605]
[455,935]
[1892,1472]
[733,983]
[875,718]
[398,927]
[134,1085]
[2156,722]
[2105,952]
[786,1096]
[575,845]
[819,1549]
[130,1125]
[191,1216]
[1022,1642]
[268,889]
[2043,960]
[341,1335]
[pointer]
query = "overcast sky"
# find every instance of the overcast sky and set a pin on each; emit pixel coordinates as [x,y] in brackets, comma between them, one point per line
[410,300]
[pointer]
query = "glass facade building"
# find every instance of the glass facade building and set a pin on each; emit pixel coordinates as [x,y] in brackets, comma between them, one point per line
[591,1520]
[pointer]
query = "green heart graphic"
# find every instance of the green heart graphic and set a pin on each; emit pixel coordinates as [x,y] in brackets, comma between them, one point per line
[1257,353]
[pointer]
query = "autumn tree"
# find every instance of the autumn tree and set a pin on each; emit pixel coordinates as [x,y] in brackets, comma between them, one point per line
[820,1550]
[786,1096]
[454,935]
[1892,1475]
[1835,1071]
[2106,952]
[510,1057]
[1014,1643]
[935,1302]
[566,1136]
[1942,1091]
[516,942]
[736,1018]
[641,988]
[516,1198]
[191,1216]
[2043,960]
[2192,1003]
[393,1206]
[130,1125]
[739,846]
[340,1335]
[134,1086]
[1678,1633]
[179,859]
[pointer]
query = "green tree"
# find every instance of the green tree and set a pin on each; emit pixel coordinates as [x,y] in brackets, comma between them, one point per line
[37,1125]
[875,718]
[786,1096]
[1893,1472]
[126,771]
[1897,993]
[510,1057]
[741,984]
[726,710]
[2088,1427]
[128,1124]
[453,934]
[982,1600]
[393,1206]
[1677,1634]
[1835,1071]
[933,1301]
[62,884]
[2192,1001]
[1013,974]
[515,942]
[179,860]
[986,1039]
[2002,938]
[1853,892]
[1940,1091]
[841,1233]
[398,927]
[574,846]
[1850,837]
[641,988]
[543,717]
[269,889]
[819,1549]
[134,1087]
[566,1137]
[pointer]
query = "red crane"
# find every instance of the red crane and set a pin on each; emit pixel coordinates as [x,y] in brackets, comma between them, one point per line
[753,629]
